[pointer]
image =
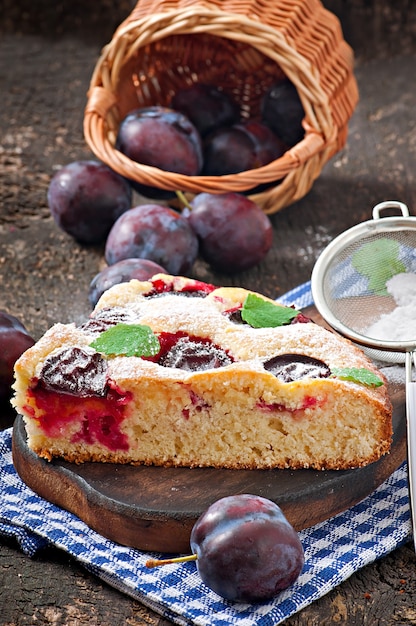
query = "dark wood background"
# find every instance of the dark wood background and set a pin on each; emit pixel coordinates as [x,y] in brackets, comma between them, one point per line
[47,54]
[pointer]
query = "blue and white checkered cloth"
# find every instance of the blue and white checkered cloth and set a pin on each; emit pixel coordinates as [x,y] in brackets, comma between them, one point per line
[334,549]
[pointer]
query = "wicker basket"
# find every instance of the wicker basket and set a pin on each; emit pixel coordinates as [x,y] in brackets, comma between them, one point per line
[243,46]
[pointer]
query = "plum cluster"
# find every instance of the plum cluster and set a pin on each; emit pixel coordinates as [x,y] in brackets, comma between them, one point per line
[92,203]
[228,230]
[203,133]
[231,144]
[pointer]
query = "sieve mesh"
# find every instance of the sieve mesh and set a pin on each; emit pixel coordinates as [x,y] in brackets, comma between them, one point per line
[350,280]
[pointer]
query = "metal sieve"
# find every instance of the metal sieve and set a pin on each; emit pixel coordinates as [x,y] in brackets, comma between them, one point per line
[350,290]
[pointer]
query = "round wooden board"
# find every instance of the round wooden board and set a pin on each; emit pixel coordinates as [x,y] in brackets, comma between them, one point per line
[154,508]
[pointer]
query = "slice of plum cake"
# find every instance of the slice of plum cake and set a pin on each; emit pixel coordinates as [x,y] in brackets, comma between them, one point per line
[177,372]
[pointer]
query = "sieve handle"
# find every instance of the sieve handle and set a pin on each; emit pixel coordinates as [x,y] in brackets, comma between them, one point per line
[390,204]
[411,436]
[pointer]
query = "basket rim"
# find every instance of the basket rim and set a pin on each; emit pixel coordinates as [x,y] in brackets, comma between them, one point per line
[308,148]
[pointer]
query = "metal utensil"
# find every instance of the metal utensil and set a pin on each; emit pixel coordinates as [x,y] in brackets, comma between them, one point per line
[349,290]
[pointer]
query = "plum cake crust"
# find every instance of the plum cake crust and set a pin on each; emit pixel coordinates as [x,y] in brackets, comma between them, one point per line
[177,372]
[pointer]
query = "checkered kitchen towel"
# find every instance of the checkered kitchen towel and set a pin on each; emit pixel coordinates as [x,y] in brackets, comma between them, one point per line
[334,549]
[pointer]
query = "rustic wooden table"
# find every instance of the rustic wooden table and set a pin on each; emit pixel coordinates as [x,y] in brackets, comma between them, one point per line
[47,53]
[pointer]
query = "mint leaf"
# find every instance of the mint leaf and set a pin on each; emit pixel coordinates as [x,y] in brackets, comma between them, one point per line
[359,375]
[379,261]
[127,340]
[260,313]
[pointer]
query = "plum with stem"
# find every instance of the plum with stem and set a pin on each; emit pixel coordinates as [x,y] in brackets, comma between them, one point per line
[245,549]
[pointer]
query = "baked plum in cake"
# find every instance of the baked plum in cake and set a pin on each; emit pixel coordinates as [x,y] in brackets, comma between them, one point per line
[176,372]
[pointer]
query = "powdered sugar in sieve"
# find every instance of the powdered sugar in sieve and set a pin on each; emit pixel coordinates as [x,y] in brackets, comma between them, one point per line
[400,323]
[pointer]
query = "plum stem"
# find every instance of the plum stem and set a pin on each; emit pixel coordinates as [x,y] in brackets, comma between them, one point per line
[182,198]
[180,559]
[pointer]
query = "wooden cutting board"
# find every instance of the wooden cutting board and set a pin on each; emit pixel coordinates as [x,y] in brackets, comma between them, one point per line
[154,508]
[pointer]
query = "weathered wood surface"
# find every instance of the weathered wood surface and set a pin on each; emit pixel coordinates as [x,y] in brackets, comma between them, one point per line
[47,53]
